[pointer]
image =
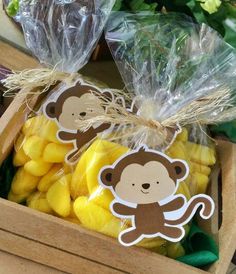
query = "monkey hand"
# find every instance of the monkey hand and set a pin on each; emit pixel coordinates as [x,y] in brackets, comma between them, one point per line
[123,210]
[66,136]
[102,127]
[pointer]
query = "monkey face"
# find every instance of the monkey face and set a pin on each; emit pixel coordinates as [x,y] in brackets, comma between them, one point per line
[145,184]
[81,108]
[144,176]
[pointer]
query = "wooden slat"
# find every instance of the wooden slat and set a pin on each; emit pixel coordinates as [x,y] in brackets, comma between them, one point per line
[51,256]
[227,233]
[76,240]
[11,123]
[15,59]
[14,264]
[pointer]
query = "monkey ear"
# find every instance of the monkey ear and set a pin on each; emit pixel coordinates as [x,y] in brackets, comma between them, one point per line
[51,110]
[106,177]
[108,95]
[179,169]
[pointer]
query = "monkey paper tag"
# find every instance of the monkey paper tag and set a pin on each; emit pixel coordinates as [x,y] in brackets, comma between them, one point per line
[72,105]
[144,183]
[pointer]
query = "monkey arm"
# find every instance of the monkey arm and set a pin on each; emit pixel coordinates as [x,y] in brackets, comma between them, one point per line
[123,209]
[102,127]
[175,204]
[66,136]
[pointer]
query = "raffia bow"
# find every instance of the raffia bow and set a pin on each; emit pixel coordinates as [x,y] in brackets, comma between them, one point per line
[40,79]
[131,127]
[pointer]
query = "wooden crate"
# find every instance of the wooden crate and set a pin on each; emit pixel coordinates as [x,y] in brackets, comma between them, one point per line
[68,247]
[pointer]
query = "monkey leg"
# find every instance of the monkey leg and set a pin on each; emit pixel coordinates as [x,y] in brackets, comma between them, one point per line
[130,236]
[172,231]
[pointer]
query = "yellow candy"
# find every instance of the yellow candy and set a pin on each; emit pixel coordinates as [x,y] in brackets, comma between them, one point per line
[49,131]
[34,125]
[152,243]
[34,146]
[113,150]
[37,167]
[184,189]
[72,212]
[19,142]
[53,175]
[192,185]
[157,245]
[39,202]
[79,179]
[201,169]
[201,182]
[94,161]
[20,158]
[175,250]
[42,127]
[201,154]
[55,153]
[58,196]
[159,249]
[68,168]
[23,182]
[178,151]
[102,197]
[18,198]
[96,218]
[85,177]
[117,153]
[96,158]
[183,135]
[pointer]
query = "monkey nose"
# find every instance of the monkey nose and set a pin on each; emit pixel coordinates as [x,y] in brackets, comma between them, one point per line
[146,186]
[82,114]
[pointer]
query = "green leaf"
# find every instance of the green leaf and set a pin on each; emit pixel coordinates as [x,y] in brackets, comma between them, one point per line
[13,8]
[118,5]
[230,31]
[231,10]
[181,2]
[197,11]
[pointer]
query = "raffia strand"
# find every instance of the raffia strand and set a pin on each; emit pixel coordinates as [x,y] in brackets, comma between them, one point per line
[40,79]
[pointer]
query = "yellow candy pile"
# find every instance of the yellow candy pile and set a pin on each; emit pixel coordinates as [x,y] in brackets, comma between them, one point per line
[200,159]
[49,185]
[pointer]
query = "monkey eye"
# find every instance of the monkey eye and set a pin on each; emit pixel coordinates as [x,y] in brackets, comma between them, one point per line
[82,114]
[158,182]
[133,184]
[73,114]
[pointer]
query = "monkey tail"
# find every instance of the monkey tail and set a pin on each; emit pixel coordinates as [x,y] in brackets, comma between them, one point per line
[203,201]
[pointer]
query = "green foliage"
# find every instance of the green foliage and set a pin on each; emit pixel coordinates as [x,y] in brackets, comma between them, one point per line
[135,5]
[141,5]
[118,5]
[13,7]
[223,19]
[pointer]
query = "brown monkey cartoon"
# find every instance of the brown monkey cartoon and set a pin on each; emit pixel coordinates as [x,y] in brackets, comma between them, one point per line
[144,183]
[74,104]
